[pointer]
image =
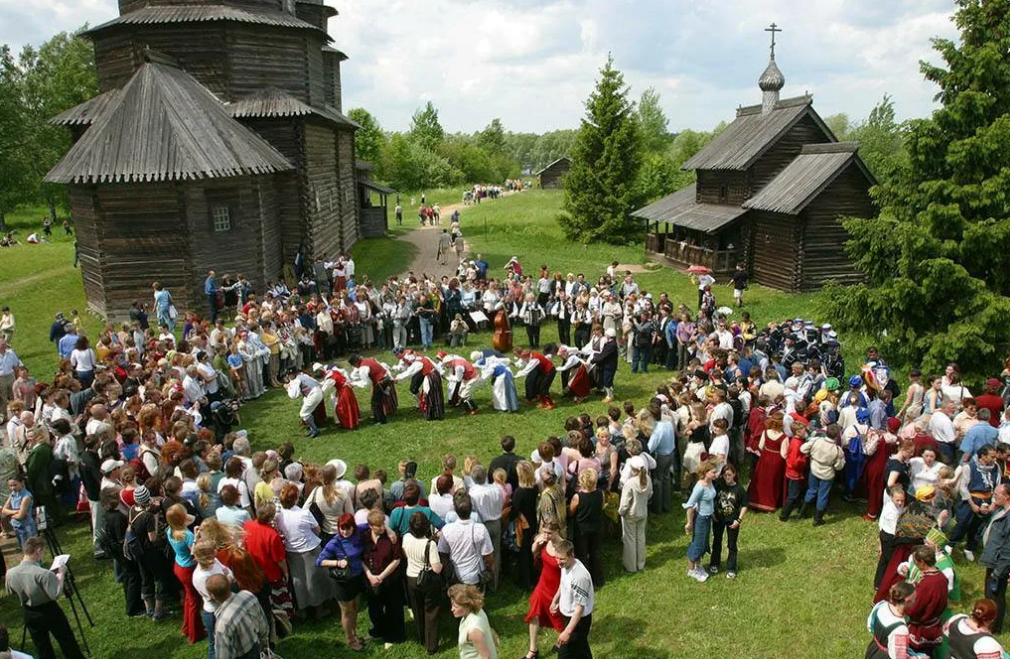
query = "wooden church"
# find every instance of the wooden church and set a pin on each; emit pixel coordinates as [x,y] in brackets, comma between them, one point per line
[770,192]
[217,143]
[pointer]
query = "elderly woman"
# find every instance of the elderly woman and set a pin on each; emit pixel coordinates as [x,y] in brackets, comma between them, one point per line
[381,560]
[344,552]
[421,553]
[476,639]
[312,586]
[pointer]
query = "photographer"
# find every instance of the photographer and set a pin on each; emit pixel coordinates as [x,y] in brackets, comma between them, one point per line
[37,589]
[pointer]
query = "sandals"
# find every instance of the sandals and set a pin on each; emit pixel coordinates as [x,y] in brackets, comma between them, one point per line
[357,646]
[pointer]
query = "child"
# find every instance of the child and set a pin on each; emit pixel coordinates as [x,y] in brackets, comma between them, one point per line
[730,508]
[796,466]
[500,477]
[237,371]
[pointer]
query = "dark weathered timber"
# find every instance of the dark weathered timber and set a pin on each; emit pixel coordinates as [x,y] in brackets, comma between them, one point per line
[553,174]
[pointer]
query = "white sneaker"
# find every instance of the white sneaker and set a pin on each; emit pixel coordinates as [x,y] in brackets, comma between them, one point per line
[970,555]
[702,576]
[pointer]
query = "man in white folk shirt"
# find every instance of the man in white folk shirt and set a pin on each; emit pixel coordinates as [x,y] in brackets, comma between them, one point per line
[941,427]
[487,502]
[575,601]
[300,384]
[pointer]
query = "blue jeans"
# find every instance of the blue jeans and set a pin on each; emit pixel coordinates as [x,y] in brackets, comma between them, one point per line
[208,624]
[699,538]
[24,532]
[820,490]
[425,332]
[640,355]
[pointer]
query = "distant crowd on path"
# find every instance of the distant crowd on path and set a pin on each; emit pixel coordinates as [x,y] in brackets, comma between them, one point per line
[141,426]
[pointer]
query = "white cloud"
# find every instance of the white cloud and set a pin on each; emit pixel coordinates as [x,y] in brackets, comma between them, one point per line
[533,62]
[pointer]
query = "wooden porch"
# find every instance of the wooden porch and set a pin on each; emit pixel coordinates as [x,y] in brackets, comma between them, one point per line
[666,249]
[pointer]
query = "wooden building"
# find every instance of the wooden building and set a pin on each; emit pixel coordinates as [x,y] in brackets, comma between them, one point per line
[553,174]
[217,143]
[374,198]
[770,192]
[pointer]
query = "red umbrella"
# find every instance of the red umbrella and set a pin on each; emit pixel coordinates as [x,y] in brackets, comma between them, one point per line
[698,270]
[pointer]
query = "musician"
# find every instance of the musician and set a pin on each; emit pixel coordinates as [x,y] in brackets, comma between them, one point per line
[369,371]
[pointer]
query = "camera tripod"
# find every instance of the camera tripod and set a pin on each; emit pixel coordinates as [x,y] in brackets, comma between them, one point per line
[69,588]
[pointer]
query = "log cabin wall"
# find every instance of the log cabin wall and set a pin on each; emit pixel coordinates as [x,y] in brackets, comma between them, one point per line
[141,239]
[331,80]
[349,203]
[776,250]
[262,56]
[89,253]
[321,194]
[115,60]
[824,253]
[268,196]
[785,150]
[723,187]
[285,135]
[314,78]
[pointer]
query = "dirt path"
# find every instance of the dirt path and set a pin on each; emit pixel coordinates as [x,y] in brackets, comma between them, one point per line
[426,240]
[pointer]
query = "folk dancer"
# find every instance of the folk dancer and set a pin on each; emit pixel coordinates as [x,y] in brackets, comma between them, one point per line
[341,396]
[369,371]
[425,378]
[462,378]
[574,374]
[312,395]
[540,372]
[495,367]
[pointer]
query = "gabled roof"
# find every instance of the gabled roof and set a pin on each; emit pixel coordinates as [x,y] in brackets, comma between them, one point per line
[166,127]
[202,13]
[554,163]
[807,176]
[682,209]
[752,133]
[378,187]
[89,111]
[271,102]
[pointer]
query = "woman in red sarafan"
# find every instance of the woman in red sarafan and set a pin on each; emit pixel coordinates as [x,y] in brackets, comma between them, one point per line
[540,614]
[768,480]
[346,410]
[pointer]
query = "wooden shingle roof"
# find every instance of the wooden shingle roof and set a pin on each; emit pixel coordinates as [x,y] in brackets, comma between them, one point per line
[683,210]
[751,134]
[806,177]
[271,102]
[554,163]
[202,13]
[166,127]
[89,111]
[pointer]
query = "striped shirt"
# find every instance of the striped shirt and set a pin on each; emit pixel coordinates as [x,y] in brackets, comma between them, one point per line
[239,626]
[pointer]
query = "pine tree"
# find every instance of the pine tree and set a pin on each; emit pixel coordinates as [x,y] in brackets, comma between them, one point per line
[425,128]
[600,190]
[937,277]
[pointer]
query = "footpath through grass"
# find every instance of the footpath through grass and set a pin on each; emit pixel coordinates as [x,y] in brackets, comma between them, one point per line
[801,592]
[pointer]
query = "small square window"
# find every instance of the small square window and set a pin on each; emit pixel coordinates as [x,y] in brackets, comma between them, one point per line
[222,218]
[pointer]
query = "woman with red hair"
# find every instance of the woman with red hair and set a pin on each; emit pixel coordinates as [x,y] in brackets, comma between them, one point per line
[970,636]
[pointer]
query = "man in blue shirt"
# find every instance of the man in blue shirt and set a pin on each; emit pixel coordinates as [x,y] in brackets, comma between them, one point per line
[69,342]
[210,288]
[663,447]
[979,435]
[57,330]
[670,335]
[482,267]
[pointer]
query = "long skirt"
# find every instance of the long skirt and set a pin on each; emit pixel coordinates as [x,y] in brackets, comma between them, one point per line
[873,478]
[898,556]
[430,397]
[504,396]
[254,378]
[579,385]
[767,484]
[312,586]
[347,412]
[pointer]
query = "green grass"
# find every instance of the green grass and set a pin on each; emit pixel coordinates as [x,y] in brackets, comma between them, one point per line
[797,584]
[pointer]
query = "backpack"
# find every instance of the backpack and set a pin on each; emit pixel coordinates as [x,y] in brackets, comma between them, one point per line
[139,467]
[133,550]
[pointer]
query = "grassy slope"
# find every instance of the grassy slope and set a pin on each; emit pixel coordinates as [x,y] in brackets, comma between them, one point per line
[792,576]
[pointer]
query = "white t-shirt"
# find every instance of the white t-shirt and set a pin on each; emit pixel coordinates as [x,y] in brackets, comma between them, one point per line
[200,577]
[720,446]
[83,360]
[576,588]
[413,550]
[238,484]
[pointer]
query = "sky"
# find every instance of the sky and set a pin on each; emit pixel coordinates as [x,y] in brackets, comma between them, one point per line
[533,63]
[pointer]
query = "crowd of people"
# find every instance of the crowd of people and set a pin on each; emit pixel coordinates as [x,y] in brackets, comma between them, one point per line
[141,430]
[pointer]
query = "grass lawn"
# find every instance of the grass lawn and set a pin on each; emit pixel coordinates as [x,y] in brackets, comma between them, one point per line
[796,582]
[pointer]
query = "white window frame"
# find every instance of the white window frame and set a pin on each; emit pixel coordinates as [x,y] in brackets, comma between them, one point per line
[221,218]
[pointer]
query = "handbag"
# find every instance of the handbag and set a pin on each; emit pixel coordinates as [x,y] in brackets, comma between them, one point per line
[342,574]
[429,582]
[173,313]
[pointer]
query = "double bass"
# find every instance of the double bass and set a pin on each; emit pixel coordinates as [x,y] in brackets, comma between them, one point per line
[502,339]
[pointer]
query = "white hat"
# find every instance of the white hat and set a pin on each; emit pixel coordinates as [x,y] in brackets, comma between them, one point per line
[317,366]
[636,462]
[339,465]
[476,355]
[110,466]
[611,333]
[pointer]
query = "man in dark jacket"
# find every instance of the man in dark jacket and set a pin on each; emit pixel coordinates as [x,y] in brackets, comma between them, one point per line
[91,476]
[996,553]
[606,361]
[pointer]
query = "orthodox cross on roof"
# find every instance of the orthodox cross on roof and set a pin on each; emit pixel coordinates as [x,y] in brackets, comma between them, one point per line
[773,28]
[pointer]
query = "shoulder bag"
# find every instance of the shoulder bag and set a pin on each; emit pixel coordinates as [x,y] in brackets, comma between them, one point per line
[342,574]
[429,582]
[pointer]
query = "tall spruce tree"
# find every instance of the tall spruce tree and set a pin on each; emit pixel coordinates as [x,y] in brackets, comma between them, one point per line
[600,190]
[937,276]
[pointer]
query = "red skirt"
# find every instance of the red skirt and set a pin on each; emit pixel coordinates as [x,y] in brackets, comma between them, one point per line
[341,284]
[872,479]
[579,385]
[347,411]
[891,576]
[767,485]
